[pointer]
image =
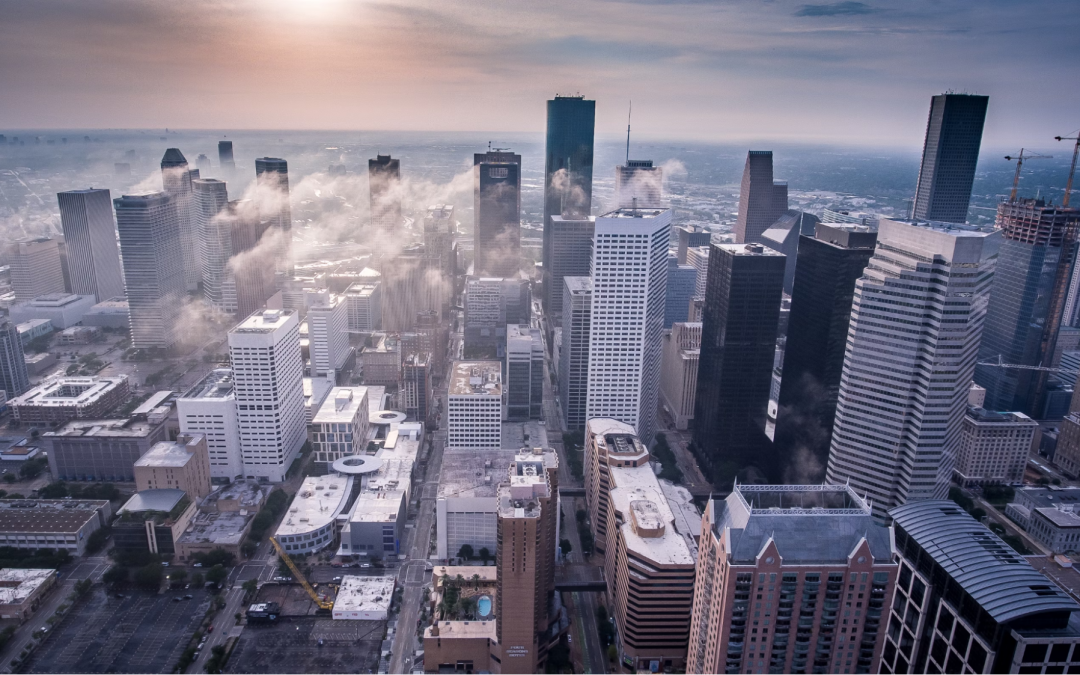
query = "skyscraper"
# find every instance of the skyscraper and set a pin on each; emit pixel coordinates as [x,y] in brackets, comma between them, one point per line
[681,286]
[1027,299]
[384,179]
[272,176]
[490,305]
[678,381]
[328,337]
[150,246]
[829,264]
[916,320]
[497,210]
[568,169]
[35,268]
[574,353]
[691,236]
[90,236]
[738,344]
[784,236]
[639,183]
[761,199]
[569,241]
[225,156]
[268,374]
[524,372]
[249,281]
[13,377]
[629,276]
[211,197]
[439,228]
[176,178]
[950,153]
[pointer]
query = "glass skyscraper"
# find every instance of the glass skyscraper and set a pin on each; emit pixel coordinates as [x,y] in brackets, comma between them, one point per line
[950,153]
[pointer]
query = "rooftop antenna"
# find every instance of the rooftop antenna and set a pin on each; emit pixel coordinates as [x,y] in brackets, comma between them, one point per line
[631,109]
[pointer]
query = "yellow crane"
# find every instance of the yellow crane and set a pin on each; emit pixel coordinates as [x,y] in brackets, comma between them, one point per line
[323,604]
[1072,169]
[1019,163]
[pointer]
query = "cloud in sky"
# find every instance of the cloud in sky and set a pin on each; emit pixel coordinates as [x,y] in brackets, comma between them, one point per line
[855,71]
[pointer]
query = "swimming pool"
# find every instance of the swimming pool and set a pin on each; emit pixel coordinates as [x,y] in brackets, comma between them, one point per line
[483,605]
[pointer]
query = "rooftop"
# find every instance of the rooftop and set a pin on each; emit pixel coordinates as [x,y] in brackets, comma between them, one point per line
[265,321]
[488,573]
[364,594]
[1060,516]
[16,585]
[47,515]
[578,284]
[748,249]
[982,415]
[342,405]
[217,527]
[58,300]
[633,213]
[464,629]
[481,378]
[218,383]
[129,428]
[318,501]
[153,500]
[70,391]
[1000,580]
[173,454]
[469,473]
[649,527]
[1049,496]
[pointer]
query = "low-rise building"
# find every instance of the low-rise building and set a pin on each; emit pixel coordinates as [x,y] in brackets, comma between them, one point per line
[21,591]
[61,309]
[678,372]
[364,302]
[364,598]
[100,450]
[316,389]
[466,507]
[309,524]
[79,335]
[994,447]
[474,405]
[153,520]
[36,364]
[32,524]
[339,428]
[111,313]
[33,329]
[222,521]
[1067,451]
[70,398]
[182,464]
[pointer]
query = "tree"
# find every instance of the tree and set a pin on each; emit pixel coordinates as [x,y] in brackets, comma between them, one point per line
[466,551]
[612,653]
[476,582]
[177,576]
[197,580]
[468,606]
[566,547]
[485,554]
[97,539]
[248,548]
[218,556]
[32,468]
[149,577]
[251,585]
[57,490]
[83,587]
[216,574]
[115,575]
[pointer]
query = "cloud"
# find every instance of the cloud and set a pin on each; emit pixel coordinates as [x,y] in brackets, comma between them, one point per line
[836,9]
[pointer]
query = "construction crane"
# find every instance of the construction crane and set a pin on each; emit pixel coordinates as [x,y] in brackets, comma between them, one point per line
[1000,363]
[1072,169]
[1020,162]
[323,604]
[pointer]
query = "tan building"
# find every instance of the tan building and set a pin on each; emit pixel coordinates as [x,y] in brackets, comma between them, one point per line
[608,443]
[180,465]
[790,579]
[21,591]
[382,360]
[649,567]
[222,521]
[678,372]
[994,447]
[1067,452]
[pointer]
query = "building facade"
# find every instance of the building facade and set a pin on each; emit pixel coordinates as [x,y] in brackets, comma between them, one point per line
[209,409]
[569,240]
[639,184]
[100,450]
[950,153]
[35,268]
[497,210]
[474,405]
[13,376]
[994,447]
[183,464]
[679,372]
[761,199]
[681,286]
[176,178]
[90,237]
[490,305]
[384,190]
[328,324]
[574,354]
[524,373]
[64,399]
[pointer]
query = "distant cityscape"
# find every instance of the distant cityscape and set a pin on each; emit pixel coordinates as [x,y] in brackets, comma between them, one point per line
[517,409]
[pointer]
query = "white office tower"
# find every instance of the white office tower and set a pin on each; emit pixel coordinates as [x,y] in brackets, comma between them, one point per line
[215,242]
[474,405]
[209,409]
[916,322]
[364,303]
[328,335]
[629,273]
[268,377]
[176,178]
[698,258]
[35,268]
[639,183]
[90,237]
[150,246]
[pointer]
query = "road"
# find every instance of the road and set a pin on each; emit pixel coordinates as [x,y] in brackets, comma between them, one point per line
[86,568]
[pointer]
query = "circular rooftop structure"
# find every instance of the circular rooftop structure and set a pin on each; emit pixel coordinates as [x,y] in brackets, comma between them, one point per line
[355,465]
[386,417]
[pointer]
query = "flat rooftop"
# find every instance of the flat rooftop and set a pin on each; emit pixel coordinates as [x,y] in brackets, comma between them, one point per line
[342,405]
[1050,496]
[218,384]
[129,428]
[488,573]
[476,378]
[16,585]
[47,515]
[464,629]
[166,454]
[56,300]
[749,249]
[650,212]
[1059,517]
[364,594]
[153,500]
[223,527]
[470,473]
[70,391]
[637,490]
[266,321]
[984,416]
[318,501]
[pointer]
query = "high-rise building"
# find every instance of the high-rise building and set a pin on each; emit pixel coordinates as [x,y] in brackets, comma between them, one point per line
[698,258]
[474,405]
[152,256]
[823,568]
[994,448]
[497,210]
[225,156]
[524,373]
[176,178]
[384,180]
[339,428]
[639,184]
[490,305]
[268,376]
[681,286]
[738,345]
[35,268]
[679,371]
[568,167]
[272,176]
[364,301]
[90,237]
[439,229]
[950,153]
[969,603]
[411,284]
[892,440]
[209,409]
[608,443]
[761,199]
[629,276]
[784,236]
[574,354]
[691,236]
[210,199]
[416,386]
[1027,300]
[829,264]
[249,280]
[569,242]
[13,378]
[328,337]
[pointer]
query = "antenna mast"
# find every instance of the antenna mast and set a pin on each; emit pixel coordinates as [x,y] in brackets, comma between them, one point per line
[628,132]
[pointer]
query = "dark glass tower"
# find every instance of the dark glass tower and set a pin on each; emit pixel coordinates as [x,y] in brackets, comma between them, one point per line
[225,155]
[1026,303]
[272,176]
[497,211]
[570,239]
[828,265]
[738,345]
[384,175]
[568,169]
[176,178]
[13,378]
[761,199]
[950,153]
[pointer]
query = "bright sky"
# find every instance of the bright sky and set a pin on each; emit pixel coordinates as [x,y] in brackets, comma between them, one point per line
[861,72]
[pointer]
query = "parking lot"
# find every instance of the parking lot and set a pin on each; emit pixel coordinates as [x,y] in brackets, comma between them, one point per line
[140,633]
[292,646]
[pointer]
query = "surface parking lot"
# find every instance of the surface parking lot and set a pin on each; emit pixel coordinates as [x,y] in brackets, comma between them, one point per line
[140,633]
[292,646]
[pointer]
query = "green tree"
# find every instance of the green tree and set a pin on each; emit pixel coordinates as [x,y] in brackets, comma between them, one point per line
[149,577]
[57,490]
[197,579]
[97,540]
[251,586]
[216,574]
[115,575]
[566,547]
[177,576]
[83,587]
[218,556]
[485,554]
[612,653]
[465,552]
